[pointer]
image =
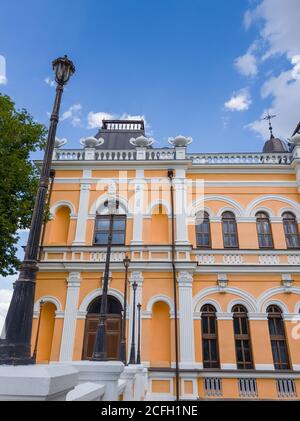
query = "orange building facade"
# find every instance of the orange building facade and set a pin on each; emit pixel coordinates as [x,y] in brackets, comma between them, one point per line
[236,259]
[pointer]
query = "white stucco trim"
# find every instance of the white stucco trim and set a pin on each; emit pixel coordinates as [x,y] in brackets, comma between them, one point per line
[294,211]
[199,204]
[158,202]
[97,293]
[252,205]
[265,209]
[248,298]
[277,303]
[240,301]
[157,298]
[62,203]
[203,302]
[102,199]
[297,307]
[264,299]
[48,299]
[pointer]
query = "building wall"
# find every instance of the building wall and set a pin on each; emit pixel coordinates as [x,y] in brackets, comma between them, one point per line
[71,270]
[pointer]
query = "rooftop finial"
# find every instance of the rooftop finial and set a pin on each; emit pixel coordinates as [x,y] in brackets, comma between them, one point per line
[269,118]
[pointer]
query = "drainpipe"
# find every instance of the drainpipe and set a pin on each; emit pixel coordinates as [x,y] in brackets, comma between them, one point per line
[170,176]
[52,176]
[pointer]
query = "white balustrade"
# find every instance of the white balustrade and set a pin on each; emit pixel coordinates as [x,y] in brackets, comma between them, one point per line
[161,154]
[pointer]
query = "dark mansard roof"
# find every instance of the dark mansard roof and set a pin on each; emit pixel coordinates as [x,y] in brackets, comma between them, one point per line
[117,133]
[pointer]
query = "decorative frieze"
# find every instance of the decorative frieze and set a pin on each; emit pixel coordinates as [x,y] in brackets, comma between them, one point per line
[233,259]
[268,259]
[206,259]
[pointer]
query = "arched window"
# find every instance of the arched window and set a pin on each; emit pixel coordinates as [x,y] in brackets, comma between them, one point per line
[203,238]
[242,337]
[291,231]
[264,232]
[230,237]
[209,337]
[278,339]
[102,229]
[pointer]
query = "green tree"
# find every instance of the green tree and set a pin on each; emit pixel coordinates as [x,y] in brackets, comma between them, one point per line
[20,135]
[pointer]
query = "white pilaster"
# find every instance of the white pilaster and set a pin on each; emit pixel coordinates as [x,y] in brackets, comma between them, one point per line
[138,211]
[138,278]
[82,212]
[187,347]
[69,328]
[180,207]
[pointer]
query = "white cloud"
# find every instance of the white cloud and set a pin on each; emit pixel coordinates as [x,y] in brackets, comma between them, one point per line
[95,119]
[296,70]
[5,297]
[3,79]
[240,101]
[281,29]
[49,82]
[246,64]
[284,93]
[248,19]
[73,114]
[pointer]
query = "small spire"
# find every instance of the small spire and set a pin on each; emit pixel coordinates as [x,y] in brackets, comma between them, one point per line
[269,118]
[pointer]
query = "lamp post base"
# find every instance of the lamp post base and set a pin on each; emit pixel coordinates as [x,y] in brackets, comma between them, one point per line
[15,353]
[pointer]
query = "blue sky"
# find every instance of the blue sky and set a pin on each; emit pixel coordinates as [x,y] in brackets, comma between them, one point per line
[172,61]
[206,69]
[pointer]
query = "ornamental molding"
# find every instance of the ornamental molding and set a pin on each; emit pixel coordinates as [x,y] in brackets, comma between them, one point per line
[62,203]
[185,279]
[74,279]
[136,276]
[156,299]
[47,299]
[97,293]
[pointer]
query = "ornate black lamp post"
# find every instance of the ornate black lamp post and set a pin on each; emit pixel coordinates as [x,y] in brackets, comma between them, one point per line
[132,349]
[126,262]
[15,347]
[138,355]
[100,346]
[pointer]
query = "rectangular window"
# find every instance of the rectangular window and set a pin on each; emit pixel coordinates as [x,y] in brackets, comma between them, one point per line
[102,230]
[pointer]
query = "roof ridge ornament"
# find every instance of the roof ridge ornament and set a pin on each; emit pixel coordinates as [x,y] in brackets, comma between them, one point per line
[295,140]
[141,141]
[269,118]
[180,141]
[91,142]
[60,142]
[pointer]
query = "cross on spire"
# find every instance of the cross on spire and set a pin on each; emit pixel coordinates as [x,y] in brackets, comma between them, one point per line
[269,118]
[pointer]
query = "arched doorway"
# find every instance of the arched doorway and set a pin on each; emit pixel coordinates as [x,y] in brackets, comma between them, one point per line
[113,327]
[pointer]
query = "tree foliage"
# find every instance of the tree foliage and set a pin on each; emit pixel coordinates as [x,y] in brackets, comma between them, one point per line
[20,135]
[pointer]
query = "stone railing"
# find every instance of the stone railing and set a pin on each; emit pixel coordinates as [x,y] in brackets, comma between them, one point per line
[163,154]
[247,257]
[114,155]
[240,158]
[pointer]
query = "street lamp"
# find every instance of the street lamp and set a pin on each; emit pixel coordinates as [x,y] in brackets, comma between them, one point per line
[15,347]
[100,346]
[138,355]
[132,350]
[126,262]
